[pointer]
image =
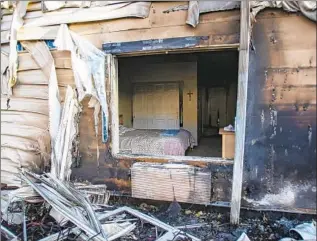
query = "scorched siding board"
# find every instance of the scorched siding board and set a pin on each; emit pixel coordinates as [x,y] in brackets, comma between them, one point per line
[280,158]
[276,49]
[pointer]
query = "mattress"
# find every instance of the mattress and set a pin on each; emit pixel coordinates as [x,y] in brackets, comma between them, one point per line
[154,142]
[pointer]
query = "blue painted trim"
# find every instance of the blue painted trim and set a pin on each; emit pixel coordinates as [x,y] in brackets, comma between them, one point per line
[104,128]
[153,44]
[49,43]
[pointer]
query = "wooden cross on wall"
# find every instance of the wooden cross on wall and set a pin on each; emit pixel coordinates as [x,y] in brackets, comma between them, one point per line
[190,95]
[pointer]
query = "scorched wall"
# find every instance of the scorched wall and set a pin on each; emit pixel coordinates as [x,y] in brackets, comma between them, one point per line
[280,157]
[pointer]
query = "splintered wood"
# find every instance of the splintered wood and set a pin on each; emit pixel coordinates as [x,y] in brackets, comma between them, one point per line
[167,182]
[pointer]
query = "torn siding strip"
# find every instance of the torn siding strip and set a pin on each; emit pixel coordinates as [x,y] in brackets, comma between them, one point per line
[17,22]
[68,130]
[113,11]
[43,57]
[88,65]
[82,72]
[195,8]
[307,8]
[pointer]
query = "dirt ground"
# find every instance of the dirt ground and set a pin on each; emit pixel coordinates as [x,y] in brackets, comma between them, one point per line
[257,225]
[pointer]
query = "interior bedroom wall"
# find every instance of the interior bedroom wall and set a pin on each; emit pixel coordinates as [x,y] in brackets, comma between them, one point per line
[232,103]
[125,98]
[218,75]
[226,99]
[144,70]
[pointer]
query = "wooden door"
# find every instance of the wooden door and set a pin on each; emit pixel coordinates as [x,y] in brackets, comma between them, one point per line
[156,106]
[140,112]
[217,106]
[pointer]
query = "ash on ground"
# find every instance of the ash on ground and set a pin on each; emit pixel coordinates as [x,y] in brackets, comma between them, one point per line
[215,222]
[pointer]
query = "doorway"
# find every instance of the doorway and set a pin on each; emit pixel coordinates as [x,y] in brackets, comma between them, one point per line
[217,80]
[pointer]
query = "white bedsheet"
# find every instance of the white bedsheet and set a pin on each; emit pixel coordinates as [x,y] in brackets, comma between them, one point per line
[151,142]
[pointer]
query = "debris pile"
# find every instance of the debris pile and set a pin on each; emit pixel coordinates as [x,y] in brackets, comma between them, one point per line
[47,208]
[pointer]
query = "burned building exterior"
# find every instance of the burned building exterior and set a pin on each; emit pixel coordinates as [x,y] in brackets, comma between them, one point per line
[143,39]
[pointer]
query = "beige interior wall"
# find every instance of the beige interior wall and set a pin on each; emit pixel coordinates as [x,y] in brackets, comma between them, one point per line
[140,71]
[228,108]
[125,99]
[231,103]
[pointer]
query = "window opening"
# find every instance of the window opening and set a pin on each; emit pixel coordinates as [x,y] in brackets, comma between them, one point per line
[178,104]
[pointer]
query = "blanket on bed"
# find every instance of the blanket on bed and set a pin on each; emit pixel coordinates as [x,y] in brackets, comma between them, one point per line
[153,142]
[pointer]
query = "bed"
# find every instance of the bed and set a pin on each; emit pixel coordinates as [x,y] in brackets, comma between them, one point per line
[154,142]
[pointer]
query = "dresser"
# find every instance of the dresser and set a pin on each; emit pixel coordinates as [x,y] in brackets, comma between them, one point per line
[228,143]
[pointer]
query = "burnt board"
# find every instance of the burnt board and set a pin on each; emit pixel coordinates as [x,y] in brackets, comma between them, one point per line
[280,157]
[153,44]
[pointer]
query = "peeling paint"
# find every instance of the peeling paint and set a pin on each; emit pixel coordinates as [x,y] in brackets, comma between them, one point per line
[310,133]
[273,114]
[262,119]
[270,176]
[274,133]
[286,152]
[288,96]
[285,197]
[265,74]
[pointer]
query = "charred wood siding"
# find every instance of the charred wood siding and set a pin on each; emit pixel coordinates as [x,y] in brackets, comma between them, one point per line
[154,44]
[280,132]
[280,158]
[219,27]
